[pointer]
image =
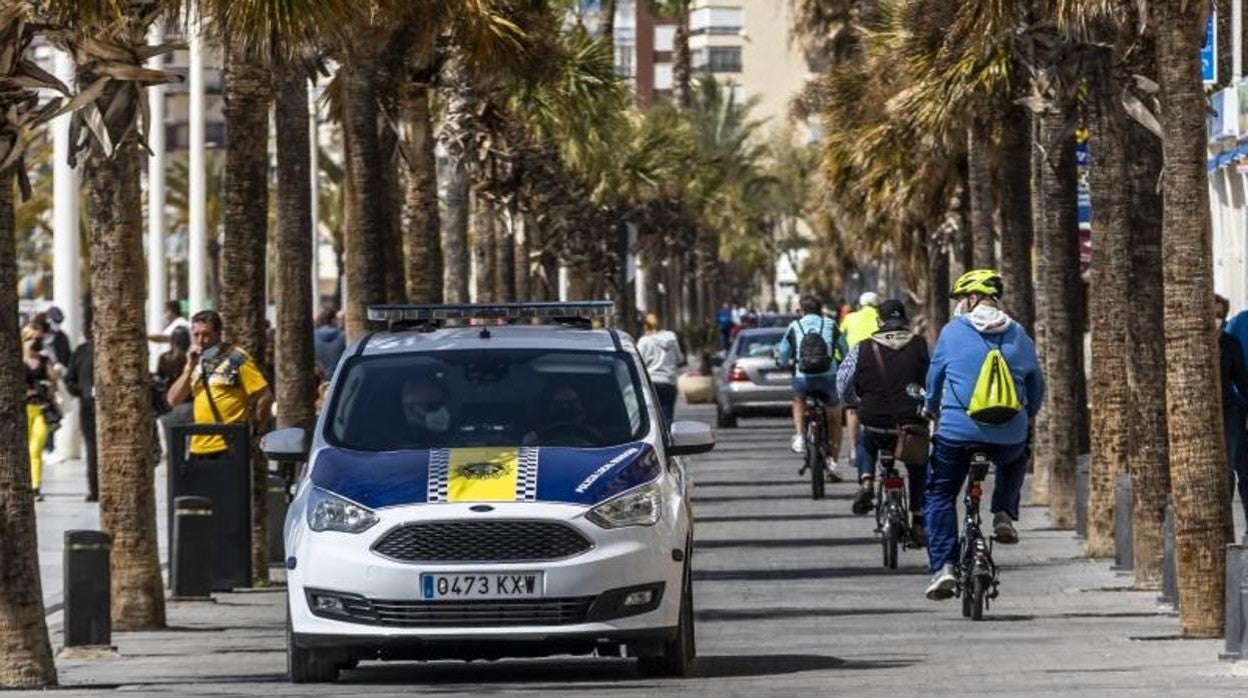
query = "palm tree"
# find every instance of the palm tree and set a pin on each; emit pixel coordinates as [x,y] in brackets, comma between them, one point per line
[1197,454]
[108,40]
[980,168]
[25,652]
[1111,274]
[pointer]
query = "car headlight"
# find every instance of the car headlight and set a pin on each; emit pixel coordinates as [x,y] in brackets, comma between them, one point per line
[329,512]
[639,506]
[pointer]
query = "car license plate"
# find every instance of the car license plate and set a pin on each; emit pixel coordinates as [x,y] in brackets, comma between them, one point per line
[481,585]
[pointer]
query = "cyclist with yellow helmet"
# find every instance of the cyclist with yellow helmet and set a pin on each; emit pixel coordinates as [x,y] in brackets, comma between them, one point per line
[985,384]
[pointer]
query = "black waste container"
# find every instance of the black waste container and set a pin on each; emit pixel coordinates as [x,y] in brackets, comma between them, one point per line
[224,478]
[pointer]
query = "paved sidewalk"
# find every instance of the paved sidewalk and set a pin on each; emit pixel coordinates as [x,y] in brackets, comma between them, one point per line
[791,599]
[64,509]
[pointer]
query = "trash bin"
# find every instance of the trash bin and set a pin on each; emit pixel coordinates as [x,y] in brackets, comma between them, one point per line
[224,478]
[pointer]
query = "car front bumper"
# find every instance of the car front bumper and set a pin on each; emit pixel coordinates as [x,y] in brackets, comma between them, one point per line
[344,565]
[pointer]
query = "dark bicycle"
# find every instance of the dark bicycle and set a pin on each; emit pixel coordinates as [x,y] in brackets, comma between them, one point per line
[892,516]
[975,571]
[816,435]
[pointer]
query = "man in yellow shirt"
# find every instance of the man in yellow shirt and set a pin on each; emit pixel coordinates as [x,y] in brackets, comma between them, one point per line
[224,381]
[857,327]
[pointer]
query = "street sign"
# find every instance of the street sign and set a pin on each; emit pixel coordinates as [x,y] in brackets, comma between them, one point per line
[1209,50]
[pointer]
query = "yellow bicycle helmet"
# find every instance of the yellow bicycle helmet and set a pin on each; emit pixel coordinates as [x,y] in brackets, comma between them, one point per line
[984,282]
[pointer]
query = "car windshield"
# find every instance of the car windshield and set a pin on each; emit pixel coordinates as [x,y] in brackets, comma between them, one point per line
[454,399]
[752,346]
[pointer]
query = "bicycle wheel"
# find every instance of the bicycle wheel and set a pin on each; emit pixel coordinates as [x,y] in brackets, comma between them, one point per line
[892,535]
[979,590]
[815,464]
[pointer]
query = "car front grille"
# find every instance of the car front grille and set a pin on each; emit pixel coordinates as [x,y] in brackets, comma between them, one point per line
[482,541]
[457,614]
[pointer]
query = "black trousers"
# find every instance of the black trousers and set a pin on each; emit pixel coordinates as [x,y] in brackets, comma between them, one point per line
[86,414]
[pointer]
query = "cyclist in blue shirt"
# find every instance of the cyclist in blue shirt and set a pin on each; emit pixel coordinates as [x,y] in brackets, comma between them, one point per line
[822,384]
[980,325]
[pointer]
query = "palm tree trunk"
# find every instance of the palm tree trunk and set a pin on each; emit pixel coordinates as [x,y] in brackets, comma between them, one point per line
[504,258]
[606,22]
[420,210]
[1016,224]
[1062,334]
[455,235]
[366,232]
[483,223]
[979,179]
[245,193]
[937,285]
[296,386]
[1042,446]
[682,58]
[1198,473]
[1111,272]
[523,269]
[123,386]
[1149,455]
[25,652]
[962,251]
[393,195]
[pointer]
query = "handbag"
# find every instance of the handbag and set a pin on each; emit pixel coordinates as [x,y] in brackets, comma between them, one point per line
[914,441]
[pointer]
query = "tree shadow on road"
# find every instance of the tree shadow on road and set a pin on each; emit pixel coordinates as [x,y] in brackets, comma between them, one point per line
[713,615]
[762,518]
[799,573]
[847,496]
[773,543]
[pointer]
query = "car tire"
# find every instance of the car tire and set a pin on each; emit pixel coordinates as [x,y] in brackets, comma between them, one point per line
[725,419]
[680,651]
[307,665]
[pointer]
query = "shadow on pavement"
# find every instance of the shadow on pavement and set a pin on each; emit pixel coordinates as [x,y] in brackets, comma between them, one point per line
[831,496]
[749,483]
[773,543]
[799,573]
[759,518]
[745,665]
[714,615]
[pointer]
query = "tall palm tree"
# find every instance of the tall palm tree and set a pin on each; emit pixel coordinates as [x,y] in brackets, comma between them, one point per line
[1109,315]
[979,157]
[25,652]
[1017,231]
[108,40]
[1197,454]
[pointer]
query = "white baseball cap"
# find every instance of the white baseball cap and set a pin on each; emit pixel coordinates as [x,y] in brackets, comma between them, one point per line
[870,298]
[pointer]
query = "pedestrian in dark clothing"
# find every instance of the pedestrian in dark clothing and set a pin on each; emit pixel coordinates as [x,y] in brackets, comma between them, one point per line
[1234,375]
[80,381]
[328,342]
[57,338]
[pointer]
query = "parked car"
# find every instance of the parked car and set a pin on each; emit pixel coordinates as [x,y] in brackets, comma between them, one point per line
[747,380]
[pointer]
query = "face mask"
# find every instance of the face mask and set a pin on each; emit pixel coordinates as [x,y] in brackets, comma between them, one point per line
[960,309]
[211,353]
[439,420]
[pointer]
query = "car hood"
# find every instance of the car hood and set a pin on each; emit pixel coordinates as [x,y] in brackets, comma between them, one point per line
[584,476]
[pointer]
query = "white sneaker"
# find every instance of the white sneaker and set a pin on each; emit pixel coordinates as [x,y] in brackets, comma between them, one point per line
[942,585]
[831,474]
[798,444]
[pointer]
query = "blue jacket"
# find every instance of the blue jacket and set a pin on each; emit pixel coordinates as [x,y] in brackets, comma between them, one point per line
[1238,328]
[960,352]
[328,343]
[809,323]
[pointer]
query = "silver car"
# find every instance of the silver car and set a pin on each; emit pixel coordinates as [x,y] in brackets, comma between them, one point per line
[747,380]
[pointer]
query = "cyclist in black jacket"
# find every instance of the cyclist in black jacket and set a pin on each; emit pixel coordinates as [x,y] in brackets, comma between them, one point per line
[880,376]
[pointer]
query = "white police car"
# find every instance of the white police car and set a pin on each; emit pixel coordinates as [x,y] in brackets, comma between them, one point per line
[488,491]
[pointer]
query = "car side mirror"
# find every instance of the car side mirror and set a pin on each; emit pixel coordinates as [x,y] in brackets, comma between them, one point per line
[690,438]
[288,445]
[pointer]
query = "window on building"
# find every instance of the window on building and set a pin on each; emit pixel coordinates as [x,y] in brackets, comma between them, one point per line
[718,59]
[665,38]
[663,76]
[624,63]
[716,21]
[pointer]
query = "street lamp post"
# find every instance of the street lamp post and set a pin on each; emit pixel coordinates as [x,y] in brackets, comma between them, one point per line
[157,279]
[197,237]
[66,249]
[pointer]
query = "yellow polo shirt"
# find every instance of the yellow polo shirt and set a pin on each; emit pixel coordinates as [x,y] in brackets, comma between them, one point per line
[233,380]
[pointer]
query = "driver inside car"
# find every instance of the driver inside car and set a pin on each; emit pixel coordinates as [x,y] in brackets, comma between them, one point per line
[426,408]
[566,422]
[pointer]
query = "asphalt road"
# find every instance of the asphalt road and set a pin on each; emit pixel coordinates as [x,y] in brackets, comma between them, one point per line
[791,599]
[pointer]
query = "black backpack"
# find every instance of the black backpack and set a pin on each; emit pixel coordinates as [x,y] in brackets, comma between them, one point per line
[814,356]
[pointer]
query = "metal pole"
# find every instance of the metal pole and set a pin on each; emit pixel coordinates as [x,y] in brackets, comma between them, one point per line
[1237,39]
[197,237]
[66,248]
[157,280]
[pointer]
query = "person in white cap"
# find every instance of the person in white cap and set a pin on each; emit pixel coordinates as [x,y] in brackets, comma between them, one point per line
[856,327]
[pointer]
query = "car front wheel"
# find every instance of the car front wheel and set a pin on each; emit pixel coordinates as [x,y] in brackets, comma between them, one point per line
[680,651]
[307,665]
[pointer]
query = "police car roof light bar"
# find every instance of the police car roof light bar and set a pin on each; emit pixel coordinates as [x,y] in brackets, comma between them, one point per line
[559,312]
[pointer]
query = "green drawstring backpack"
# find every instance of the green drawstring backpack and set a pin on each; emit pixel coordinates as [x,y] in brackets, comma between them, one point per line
[995,398]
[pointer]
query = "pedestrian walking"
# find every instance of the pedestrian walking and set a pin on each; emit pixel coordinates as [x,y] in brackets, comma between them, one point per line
[1234,376]
[223,382]
[173,320]
[328,341]
[42,414]
[80,382]
[56,339]
[660,349]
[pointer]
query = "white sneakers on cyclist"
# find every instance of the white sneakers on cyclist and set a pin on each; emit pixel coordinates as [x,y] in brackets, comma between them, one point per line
[942,585]
[798,444]
[830,471]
